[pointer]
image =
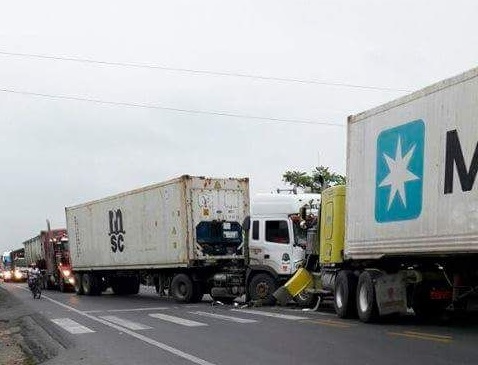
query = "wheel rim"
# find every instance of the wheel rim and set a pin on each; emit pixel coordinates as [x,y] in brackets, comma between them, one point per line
[86,284]
[262,290]
[339,299]
[182,290]
[363,299]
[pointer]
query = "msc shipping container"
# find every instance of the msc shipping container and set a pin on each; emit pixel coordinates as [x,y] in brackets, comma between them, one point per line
[184,234]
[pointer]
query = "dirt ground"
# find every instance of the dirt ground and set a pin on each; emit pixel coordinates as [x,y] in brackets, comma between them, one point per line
[12,344]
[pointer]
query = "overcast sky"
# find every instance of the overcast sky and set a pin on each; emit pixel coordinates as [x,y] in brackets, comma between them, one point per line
[57,152]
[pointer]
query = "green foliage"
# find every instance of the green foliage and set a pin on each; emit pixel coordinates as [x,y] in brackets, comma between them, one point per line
[313,181]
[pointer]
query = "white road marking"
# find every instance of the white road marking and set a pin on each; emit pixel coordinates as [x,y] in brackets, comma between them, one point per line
[125,323]
[309,310]
[177,320]
[127,310]
[270,314]
[71,326]
[137,309]
[226,318]
[162,346]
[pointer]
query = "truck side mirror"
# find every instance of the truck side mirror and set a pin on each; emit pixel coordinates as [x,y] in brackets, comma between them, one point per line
[246,224]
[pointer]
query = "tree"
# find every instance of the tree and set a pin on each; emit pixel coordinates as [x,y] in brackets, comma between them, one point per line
[320,176]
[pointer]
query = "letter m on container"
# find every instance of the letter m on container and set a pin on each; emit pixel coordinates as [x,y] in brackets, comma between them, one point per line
[116,230]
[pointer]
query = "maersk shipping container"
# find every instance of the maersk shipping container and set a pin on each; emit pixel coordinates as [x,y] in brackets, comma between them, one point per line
[167,225]
[411,169]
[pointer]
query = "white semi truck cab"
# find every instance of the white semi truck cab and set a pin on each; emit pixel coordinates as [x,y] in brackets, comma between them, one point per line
[277,243]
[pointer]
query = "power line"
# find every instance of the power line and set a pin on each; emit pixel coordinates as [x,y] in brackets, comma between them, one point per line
[203,72]
[179,110]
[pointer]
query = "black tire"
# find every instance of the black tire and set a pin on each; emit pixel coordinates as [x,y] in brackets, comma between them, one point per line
[117,286]
[61,285]
[182,288]
[90,285]
[133,285]
[261,288]
[306,300]
[78,284]
[47,283]
[345,293]
[198,293]
[367,308]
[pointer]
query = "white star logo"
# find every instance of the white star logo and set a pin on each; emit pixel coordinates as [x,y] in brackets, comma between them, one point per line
[399,174]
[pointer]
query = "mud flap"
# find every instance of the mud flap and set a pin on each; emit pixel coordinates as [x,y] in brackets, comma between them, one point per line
[391,294]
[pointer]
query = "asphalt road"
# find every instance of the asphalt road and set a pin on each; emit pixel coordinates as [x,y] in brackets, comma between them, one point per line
[145,329]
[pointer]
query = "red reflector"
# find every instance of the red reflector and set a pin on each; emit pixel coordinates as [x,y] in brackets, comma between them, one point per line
[441,294]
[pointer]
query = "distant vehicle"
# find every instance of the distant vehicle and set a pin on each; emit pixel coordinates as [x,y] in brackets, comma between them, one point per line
[50,252]
[14,266]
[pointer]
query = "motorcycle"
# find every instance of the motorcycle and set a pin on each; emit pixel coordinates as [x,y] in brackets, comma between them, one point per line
[35,287]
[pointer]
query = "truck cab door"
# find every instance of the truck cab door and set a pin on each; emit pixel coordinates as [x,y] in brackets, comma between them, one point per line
[271,244]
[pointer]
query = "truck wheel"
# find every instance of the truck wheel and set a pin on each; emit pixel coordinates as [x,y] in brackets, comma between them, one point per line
[61,285]
[182,288]
[261,288]
[366,301]
[344,294]
[89,283]
[117,286]
[78,284]
[44,282]
[198,293]
[47,282]
[133,285]
[306,300]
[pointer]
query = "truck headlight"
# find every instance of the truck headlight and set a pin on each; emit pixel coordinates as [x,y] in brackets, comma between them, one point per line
[66,273]
[7,275]
[18,274]
[72,281]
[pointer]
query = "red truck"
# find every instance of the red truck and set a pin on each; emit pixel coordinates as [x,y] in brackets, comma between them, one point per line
[49,251]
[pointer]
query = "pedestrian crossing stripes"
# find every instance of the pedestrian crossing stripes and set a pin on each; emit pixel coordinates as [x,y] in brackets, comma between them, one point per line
[76,328]
[223,317]
[71,326]
[126,323]
[177,320]
[270,314]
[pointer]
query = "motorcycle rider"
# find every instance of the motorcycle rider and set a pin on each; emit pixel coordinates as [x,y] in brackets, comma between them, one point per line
[33,274]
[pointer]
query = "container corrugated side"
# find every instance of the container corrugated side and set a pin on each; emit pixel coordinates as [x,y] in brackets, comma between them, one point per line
[445,223]
[157,223]
[33,249]
[143,228]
